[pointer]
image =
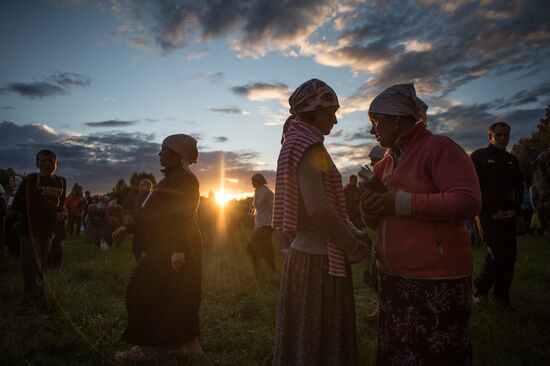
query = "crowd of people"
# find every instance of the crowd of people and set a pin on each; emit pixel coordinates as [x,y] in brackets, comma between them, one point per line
[420,195]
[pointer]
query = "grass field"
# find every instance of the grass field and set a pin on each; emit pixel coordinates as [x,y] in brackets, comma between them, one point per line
[238,311]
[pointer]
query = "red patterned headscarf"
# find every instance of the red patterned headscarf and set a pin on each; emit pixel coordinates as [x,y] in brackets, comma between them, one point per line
[312,95]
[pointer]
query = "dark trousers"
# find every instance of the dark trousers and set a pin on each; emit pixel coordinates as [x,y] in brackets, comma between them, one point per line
[2,241]
[55,255]
[260,247]
[73,224]
[34,251]
[498,271]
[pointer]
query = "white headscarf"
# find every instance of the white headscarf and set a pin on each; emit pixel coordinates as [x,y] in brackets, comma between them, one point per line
[400,100]
[183,145]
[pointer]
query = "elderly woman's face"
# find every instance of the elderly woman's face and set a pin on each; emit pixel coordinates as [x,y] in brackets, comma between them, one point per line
[168,158]
[326,118]
[385,128]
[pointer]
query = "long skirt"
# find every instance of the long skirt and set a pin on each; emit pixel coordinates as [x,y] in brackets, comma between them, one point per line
[423,322]
[316,314]
[163,305]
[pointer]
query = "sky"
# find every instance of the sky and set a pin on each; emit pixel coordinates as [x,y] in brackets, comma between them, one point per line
[103,82]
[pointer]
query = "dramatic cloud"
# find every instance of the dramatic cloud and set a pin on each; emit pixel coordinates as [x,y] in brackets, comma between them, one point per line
[462,42]
[33,90]
[260,91]
[389,42]
[229,110]
[97,161]
[111,123]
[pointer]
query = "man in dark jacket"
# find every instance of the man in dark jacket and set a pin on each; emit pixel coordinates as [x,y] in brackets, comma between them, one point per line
[502,191]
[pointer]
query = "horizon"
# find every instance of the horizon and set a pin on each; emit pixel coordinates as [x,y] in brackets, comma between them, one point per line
[103,82]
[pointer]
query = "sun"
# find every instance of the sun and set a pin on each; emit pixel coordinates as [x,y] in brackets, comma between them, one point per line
[222,198]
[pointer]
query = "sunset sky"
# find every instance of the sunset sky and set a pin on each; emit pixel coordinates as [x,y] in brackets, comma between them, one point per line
[103,82]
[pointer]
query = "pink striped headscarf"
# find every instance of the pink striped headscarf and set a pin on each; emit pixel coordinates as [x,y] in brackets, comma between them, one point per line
[298,137]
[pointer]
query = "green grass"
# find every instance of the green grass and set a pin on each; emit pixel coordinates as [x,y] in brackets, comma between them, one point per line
[238,310]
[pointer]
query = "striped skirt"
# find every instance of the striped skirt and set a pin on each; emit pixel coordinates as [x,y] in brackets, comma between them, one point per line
[423,322]
[316,314]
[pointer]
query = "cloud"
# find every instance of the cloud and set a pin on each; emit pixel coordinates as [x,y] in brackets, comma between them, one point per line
[58,83]
[252,28]
[208,77]
[221,139]
[467,125]
[387,42]
[462,43]
[7,108]
[139,42]
[111,123]
[97,161]
[33,90]
[360,135]
[69,79]
[196,55]
[260,91]
[529,96]
[229,110]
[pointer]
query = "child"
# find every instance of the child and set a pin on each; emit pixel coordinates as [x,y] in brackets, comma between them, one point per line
[38,204]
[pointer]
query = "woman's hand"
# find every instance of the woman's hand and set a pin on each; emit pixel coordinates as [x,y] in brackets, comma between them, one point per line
[360,254]
[178,261]
[119,233]
[378,204]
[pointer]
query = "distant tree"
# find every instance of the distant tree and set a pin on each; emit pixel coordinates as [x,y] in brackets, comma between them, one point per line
[77,187]
[5,175]
[121,192]
[528,148]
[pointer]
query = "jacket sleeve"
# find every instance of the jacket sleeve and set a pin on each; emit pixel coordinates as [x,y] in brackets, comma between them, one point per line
[518,186]
[455,178]
[19,204]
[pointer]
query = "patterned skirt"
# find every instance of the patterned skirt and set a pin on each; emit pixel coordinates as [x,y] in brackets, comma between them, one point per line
[423,322]
[163,305]
[316,314]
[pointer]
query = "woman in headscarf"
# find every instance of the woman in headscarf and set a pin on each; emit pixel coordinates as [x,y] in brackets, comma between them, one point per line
[316,313]
[424,255]
[164,293]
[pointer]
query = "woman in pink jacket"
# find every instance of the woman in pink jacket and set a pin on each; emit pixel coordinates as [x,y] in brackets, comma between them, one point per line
[424,255]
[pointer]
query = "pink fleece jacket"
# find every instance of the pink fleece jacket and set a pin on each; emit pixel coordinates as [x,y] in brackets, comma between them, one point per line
[437,190]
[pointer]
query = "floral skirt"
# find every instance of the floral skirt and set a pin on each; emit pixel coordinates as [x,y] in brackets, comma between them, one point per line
[423,322]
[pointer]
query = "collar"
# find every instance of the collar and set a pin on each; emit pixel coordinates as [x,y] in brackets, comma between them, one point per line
[406,139]
[495,149]
[170,170]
